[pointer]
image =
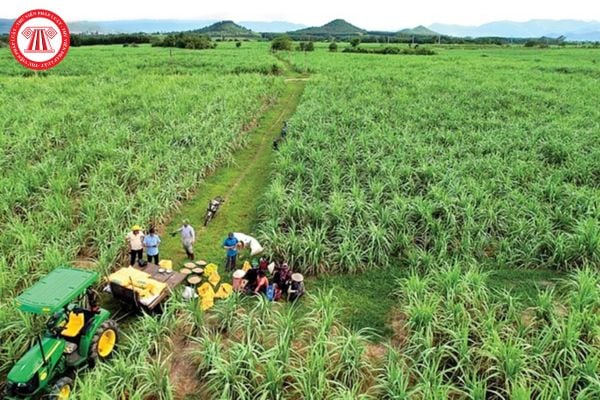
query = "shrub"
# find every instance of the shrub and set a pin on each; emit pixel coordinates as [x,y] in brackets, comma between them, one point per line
[306,46]
[333,46]
[186,41]
[417,51]
[281,43]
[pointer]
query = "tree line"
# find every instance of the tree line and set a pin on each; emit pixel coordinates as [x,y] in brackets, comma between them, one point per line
[396,38]
[180,40]
[123,38]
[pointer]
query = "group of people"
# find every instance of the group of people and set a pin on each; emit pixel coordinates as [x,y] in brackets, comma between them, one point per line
[137,241]
[274,280]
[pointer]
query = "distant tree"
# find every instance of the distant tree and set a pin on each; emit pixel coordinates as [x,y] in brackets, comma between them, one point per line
[333,47]
[301,46]
[186,41]
[355,42]
[281,43]
[310,46]
[238,44]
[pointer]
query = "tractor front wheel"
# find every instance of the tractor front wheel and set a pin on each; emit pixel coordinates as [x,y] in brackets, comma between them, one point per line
[62,389]
[104,341]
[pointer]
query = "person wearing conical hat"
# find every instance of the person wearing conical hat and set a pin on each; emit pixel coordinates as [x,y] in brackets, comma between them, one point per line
[135,244]
[296,289]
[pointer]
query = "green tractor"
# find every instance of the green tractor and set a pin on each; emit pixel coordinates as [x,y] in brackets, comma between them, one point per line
[78,333]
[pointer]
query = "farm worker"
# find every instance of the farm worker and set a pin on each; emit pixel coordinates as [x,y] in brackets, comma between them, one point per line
[282,279]
[262,283]
[238,276]
[250,278]
[248,241]
[263,263]
[296,289]
[135,244]
[151,243]
[230,244]
[188,238]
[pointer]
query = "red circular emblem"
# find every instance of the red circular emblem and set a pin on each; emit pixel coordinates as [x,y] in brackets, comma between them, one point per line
[39,39]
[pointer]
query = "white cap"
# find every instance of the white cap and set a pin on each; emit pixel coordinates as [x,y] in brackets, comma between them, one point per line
[271,267]
[297,277]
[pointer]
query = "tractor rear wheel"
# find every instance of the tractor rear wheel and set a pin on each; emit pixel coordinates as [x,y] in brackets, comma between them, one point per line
[104,341]
[62,389]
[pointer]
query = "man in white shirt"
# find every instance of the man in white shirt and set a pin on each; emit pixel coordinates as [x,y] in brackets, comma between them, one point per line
[188,237]
[135,244]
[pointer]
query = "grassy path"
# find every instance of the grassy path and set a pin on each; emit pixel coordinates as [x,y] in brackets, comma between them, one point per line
[242,184]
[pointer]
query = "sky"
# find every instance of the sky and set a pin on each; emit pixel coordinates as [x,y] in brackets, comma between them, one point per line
[372,15]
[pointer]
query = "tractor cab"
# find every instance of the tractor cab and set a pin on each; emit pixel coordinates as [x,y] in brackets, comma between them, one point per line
[78,333]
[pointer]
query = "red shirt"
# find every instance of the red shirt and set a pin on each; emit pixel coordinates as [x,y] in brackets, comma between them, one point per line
[263,264]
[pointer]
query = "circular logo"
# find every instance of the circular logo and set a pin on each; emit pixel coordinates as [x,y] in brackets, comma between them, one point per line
[39,39]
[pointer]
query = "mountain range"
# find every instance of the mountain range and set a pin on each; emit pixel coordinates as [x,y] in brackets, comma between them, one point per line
[575,30]
[342,29]
[572,29]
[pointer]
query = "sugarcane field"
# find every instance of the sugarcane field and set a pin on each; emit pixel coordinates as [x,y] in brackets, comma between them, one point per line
[197,208]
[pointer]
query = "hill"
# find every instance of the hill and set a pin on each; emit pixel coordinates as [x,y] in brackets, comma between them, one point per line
[571,29]
[418,31]
[227,29]
[337,27]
